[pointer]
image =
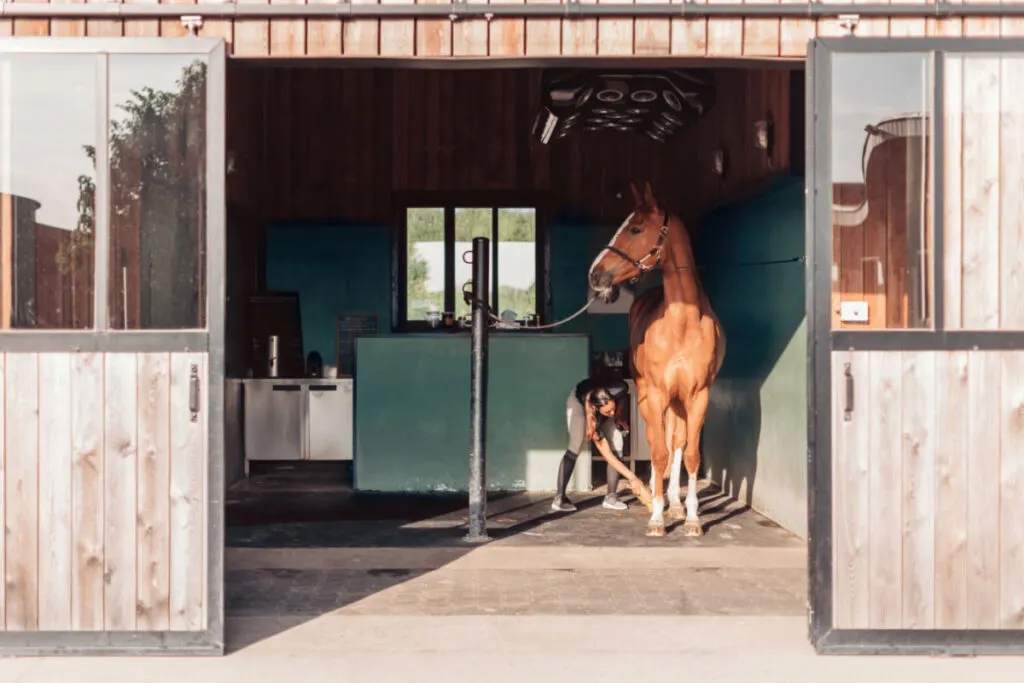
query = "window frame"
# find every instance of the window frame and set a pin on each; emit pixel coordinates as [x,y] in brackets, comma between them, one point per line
[450,201]
[100,336]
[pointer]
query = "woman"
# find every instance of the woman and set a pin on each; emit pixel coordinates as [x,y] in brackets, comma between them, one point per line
[594,414]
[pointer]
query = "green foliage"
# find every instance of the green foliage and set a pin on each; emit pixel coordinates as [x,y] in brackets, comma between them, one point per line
[157,190]
[427,225]
[422,225]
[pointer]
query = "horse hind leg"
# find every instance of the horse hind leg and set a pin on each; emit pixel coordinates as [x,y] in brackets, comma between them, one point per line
[697,411]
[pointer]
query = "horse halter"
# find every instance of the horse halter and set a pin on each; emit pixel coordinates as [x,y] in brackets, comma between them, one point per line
[640,264]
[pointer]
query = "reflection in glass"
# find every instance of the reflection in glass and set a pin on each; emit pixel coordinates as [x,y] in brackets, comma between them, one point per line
[48,106]
[881,190]
[517,261]
[469,223]
[158,192]
[424,275]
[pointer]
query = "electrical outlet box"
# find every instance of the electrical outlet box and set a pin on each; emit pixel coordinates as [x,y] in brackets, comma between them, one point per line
[853,311]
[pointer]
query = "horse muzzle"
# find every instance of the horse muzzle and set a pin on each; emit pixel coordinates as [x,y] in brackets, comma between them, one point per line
[609,295]
[600,279]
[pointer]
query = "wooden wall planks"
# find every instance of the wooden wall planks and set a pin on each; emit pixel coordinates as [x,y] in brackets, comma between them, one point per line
[751,37]
[298,157]
[55,492]
[928,481]
[984,193]
[21,502]
[106,508]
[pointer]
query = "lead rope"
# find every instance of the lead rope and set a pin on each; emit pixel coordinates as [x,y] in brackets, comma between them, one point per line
[470,299]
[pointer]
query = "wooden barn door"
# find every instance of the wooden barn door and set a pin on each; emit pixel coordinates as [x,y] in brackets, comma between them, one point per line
[111,345]
[916,226]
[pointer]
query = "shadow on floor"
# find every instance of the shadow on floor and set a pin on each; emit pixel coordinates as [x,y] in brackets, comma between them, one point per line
[302,544]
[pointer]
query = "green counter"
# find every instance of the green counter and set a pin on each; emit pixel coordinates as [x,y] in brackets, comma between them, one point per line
[412,410]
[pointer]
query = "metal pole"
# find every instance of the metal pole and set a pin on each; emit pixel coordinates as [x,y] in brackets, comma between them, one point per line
[478,396]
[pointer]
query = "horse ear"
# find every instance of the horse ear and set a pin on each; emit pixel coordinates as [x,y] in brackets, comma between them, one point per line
[649,199]
[637,199]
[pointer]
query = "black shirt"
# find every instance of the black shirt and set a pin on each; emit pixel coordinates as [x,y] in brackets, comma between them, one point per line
[616,387]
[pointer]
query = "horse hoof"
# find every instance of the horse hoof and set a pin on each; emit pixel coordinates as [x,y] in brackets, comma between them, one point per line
[676,513]
[655,530]
[692,528]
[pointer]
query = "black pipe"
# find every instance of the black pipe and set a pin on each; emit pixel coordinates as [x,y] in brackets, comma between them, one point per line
[479,10]
[478,395]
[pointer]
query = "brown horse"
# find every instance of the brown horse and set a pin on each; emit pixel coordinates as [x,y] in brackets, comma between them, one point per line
[677,347]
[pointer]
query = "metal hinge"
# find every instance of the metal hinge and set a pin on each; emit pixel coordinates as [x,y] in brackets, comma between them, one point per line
[192,23]
[193,392]
[848,23]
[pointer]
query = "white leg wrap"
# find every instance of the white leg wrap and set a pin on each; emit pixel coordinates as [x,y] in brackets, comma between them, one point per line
[658,516]
[691,498]
[674,478]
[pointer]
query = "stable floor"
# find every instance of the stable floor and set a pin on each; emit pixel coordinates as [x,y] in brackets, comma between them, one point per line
[302,544]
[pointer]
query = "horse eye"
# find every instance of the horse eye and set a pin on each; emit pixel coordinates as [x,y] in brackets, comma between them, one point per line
[636,229]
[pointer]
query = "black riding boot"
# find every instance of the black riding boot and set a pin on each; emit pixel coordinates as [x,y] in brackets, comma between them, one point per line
[565,468]
[611,498]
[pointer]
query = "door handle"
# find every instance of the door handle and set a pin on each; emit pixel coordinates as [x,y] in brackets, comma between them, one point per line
[193,392]
[848,410]
[323,387]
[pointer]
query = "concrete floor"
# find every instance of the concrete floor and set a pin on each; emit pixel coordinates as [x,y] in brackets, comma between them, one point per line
[494,649]
[353,588]
[401,555]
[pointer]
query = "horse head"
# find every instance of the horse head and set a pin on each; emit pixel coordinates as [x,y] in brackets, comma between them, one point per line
[634,250]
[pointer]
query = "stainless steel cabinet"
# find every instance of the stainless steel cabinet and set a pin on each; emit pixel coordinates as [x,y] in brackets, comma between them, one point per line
[330,421]
[298,419]
[274,416]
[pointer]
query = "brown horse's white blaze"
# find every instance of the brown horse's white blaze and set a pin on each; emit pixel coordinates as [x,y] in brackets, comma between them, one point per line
[677,348]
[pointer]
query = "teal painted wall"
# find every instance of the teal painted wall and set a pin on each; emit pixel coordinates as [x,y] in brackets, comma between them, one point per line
[412,410]
[755,437]
[334,268]
[337,267]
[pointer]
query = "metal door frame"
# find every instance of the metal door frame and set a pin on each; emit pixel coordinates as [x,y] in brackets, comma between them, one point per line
[102,339]
[822,340]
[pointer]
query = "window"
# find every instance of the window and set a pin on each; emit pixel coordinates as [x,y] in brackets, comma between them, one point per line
[437,236]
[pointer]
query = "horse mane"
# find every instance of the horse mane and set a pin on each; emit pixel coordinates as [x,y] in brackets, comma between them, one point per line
[694,271]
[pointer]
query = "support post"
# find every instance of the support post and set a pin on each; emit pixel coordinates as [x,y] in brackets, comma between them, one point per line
[478,395]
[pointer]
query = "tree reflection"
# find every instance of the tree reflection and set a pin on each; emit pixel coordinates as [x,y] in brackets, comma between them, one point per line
[157,206]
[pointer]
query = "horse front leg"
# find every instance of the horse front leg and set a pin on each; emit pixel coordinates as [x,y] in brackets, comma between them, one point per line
[696,412]
[654,415]
[676,441]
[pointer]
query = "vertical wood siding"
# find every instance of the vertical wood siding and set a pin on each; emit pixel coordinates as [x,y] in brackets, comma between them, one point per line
[103,493]
[469,130]
[984,198]
[928,481]
[752,37]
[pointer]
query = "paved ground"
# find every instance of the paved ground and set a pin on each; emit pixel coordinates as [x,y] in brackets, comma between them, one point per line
[576,597]
[392,555]
[284,509]
[536,649]
[513,580]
